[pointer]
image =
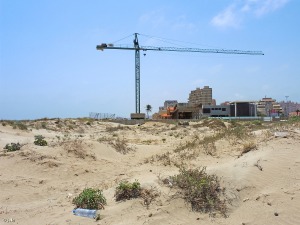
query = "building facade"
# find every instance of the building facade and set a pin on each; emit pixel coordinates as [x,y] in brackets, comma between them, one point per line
[200,97]
[269,107]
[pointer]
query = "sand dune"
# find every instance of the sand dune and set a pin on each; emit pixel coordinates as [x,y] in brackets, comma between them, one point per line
[38,183]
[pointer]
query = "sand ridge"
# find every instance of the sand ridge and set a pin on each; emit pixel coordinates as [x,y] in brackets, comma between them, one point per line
[38,183]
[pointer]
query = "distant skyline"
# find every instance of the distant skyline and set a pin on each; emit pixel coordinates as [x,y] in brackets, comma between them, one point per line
[49,65]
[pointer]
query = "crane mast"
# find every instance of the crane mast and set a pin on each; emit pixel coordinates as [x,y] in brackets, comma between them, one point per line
[137,48]
[137,75]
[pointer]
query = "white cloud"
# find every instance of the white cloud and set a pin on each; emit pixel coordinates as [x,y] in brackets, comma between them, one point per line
[239,10]
[266,6]
[227,18]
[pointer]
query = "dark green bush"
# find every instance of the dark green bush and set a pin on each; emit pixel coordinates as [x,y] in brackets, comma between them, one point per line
[90,198]
[12,147]
[127,190]
[39,140]
[201,190]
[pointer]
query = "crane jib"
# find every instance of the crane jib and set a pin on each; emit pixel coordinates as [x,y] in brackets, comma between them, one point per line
[174,49]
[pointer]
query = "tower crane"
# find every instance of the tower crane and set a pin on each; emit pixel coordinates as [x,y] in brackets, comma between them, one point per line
[137,48]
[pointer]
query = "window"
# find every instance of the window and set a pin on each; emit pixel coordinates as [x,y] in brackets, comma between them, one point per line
[206,110]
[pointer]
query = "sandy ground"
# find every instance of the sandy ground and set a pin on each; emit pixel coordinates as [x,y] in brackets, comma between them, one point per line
[38,183]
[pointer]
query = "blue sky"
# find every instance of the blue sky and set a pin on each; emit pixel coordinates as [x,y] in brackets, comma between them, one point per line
[49,66]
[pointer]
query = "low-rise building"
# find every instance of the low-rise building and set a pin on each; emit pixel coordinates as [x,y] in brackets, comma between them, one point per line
[269,107]
[216,110]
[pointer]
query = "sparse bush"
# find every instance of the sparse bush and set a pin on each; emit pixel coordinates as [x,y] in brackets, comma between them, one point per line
[148,195]
[165,158]
[21,126]
[201,190]
[76,147]
[12,147]
[90,198]
[39,140]
[127,190]
[121,145]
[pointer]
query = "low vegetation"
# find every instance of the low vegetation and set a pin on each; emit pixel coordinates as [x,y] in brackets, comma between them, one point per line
[90,198]
[126,190]
[121,145]
[12,147]
[201,190]
[40,140]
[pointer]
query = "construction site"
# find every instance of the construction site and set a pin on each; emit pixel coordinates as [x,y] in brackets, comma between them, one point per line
[197,98]
[201,104]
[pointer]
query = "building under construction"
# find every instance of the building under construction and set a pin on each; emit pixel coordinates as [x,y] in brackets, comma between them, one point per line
[200,97]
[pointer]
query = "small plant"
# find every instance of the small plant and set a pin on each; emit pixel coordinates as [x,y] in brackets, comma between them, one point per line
[90,198]
[12,147]
[127,190]
[39,140]
[201,190]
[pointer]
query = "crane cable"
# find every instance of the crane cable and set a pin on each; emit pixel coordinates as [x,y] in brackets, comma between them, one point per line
[173,40]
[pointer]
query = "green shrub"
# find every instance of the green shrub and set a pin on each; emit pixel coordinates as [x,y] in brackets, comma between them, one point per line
[90,198]
[39,140]
[127,190]
[12,147]
[201,190]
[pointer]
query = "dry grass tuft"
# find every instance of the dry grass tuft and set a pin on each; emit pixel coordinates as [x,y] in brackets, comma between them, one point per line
[247,147]
[121,146]
[113,129]
[77,147]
